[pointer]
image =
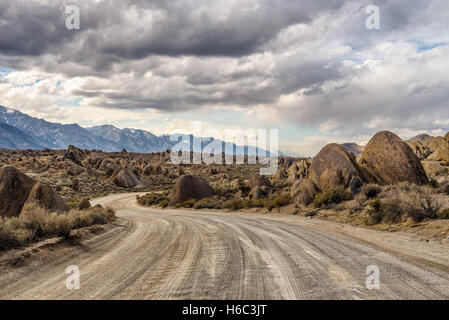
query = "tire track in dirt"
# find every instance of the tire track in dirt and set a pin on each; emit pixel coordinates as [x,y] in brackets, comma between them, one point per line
[172,254]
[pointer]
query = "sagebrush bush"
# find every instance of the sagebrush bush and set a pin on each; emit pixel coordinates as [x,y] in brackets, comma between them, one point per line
[422,204]
[153,198]
[36,222]
[389,210]
[251,203]
[164,203]
[235,204]
[370,190]
[405,201]
[282,200]
[186,204]
[208,203]
[444,214]
[331,196]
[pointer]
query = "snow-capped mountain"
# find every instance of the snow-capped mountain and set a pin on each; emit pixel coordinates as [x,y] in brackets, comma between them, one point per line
[13,138]
[133,140]
[54,135]
[21,131]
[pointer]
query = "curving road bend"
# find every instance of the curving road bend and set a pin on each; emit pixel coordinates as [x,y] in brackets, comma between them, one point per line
[172,254]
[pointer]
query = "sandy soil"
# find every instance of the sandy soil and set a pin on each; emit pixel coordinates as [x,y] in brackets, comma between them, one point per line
[175,254]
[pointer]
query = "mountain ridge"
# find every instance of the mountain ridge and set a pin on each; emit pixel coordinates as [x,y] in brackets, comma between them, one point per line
[40,134]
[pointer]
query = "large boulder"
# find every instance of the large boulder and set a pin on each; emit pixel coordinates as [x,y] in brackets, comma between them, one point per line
[334,166]
[74,169]
[390,160]
[14,190]
[303,192]
[126,179]
[84,204]
[188,187]
[75,154]
[434,168]
[46,197]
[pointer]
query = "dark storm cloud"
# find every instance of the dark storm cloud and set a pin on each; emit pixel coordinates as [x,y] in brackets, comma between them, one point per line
[30,28]
[181,55]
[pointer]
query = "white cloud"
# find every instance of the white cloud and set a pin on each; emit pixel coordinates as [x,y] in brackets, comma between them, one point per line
[269,64]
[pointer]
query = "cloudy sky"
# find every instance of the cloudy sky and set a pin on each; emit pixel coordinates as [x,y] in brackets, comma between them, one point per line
[310,68]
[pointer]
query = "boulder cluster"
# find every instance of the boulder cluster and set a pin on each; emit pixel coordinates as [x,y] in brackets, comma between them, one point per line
[386,159]
[17,190]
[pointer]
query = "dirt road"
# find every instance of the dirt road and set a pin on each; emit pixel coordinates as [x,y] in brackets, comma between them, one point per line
[171,254]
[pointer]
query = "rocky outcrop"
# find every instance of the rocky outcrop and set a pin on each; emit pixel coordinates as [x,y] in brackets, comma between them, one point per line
[126,179]
[434,168]
[334,166]
[46,197]
[188,187]
[303,192]
[390,160]
[440,149]
[430,148]
[299,170]
[75,154]
[74,169]
[84,204]
[15,188]
[280,174]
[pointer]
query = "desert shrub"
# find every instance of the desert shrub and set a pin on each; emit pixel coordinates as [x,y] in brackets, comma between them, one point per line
[444,214]
[207,203]
[269,205]
[234,204]
[164,203]
[35,222]
[331,196]
[63,226]
[186,204]
[434,183]
[251,203]
[151,199]
[422,204]
[392,210]
[7,237]
[311,213]
[244,190]
[34,218]
[72,204]
[282,200]
[405,200]
[389,210]
[370,190]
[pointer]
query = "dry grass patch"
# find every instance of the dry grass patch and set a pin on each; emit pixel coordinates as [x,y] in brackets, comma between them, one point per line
[36,222]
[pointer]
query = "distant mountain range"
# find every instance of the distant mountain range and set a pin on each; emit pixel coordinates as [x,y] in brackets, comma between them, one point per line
[21,131]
